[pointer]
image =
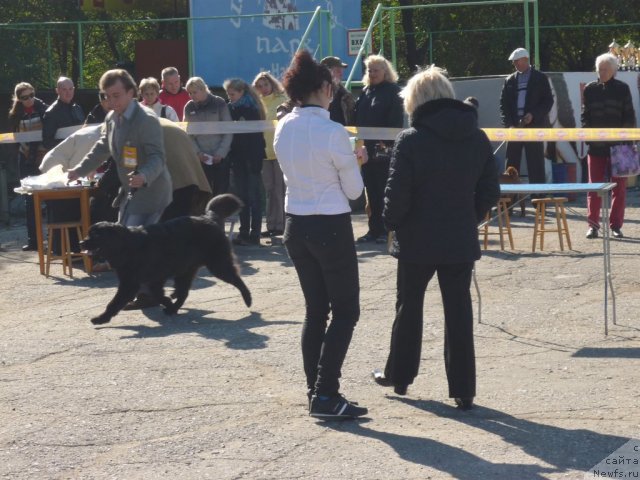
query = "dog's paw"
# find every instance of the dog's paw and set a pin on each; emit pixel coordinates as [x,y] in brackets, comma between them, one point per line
[100,320]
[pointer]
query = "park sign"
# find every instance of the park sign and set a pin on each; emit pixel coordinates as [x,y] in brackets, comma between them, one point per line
[250,36]
[355,39]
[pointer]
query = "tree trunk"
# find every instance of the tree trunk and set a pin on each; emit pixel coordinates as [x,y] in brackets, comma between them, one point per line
[414,55]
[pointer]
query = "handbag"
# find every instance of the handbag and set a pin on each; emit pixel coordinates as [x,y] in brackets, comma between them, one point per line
[625,161]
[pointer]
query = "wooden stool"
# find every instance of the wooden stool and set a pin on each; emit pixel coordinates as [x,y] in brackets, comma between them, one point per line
[66,255]
[561,221]
[504,222]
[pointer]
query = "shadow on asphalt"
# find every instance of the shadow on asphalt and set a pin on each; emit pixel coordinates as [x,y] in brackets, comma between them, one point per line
[236,334]
[563,449]
[455,461]
[607,352]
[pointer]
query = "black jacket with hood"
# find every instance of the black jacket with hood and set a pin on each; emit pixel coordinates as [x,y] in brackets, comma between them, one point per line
[443,179]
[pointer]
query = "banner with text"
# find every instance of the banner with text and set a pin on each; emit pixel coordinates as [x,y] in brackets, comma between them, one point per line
[243,46]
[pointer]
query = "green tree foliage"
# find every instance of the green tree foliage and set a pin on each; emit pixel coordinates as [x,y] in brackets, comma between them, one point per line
[468,40]
[476,39]
[40,52]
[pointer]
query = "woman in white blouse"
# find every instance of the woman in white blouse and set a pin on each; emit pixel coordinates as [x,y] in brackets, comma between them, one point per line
[149,91]
[321,174]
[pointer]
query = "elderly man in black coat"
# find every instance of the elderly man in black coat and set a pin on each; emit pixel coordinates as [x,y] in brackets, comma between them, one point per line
[443,179]
[525,103]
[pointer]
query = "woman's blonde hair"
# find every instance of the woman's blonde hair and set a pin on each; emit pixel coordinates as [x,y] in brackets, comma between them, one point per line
[428,84]
[198,83]
[276,86]
[390,74]
[147,83]
[240,85]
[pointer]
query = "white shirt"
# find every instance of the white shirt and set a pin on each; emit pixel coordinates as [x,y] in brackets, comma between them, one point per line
[169,112]
[320,169]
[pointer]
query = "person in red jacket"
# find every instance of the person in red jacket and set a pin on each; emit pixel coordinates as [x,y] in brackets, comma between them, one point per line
[173,93]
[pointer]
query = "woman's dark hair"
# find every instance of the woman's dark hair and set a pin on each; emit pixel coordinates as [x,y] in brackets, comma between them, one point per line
[304,76]
[17,108]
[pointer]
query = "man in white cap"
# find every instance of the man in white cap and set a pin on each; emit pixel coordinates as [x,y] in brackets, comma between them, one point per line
[525,103]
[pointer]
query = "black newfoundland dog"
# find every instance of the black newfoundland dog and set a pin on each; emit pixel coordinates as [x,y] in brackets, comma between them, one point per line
[173,249]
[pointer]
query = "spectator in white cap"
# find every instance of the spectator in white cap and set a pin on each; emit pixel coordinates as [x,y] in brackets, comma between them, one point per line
[525,103]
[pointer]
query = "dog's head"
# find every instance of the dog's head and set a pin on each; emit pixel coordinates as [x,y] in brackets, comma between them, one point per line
[510,175]
[107,239]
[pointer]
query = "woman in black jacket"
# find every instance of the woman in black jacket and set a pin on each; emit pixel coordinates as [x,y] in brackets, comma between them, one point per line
[247,153]
[26,115]
[443,179]
[379,105]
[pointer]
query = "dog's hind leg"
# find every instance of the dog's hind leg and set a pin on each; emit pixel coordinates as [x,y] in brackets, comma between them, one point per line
[182,285]
[126,292]
[228,273]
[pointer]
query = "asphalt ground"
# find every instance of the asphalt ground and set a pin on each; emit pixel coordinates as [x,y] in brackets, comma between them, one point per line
[218,391]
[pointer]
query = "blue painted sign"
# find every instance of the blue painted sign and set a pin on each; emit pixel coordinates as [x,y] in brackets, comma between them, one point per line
[243,46]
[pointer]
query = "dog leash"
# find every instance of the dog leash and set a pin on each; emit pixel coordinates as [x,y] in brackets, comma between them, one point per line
[499,147]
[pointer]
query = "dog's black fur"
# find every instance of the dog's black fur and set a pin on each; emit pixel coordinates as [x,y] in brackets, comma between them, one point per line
[173,249]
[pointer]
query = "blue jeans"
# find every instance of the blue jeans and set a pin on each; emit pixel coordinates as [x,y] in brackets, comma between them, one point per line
[323,252]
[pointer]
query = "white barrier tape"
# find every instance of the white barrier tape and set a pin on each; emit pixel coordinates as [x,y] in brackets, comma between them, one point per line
[375,133]
[35,135]
[562,134]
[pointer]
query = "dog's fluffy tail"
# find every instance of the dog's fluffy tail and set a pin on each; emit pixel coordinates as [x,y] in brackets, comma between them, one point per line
[223,206]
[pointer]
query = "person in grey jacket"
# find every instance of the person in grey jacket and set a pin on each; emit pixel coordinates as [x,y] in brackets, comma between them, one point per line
[212,148]
[133,137]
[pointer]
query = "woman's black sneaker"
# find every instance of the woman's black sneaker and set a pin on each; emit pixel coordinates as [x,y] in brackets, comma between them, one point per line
[335,407]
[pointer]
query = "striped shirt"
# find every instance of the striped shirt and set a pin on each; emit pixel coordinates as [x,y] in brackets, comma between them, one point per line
[523,80]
